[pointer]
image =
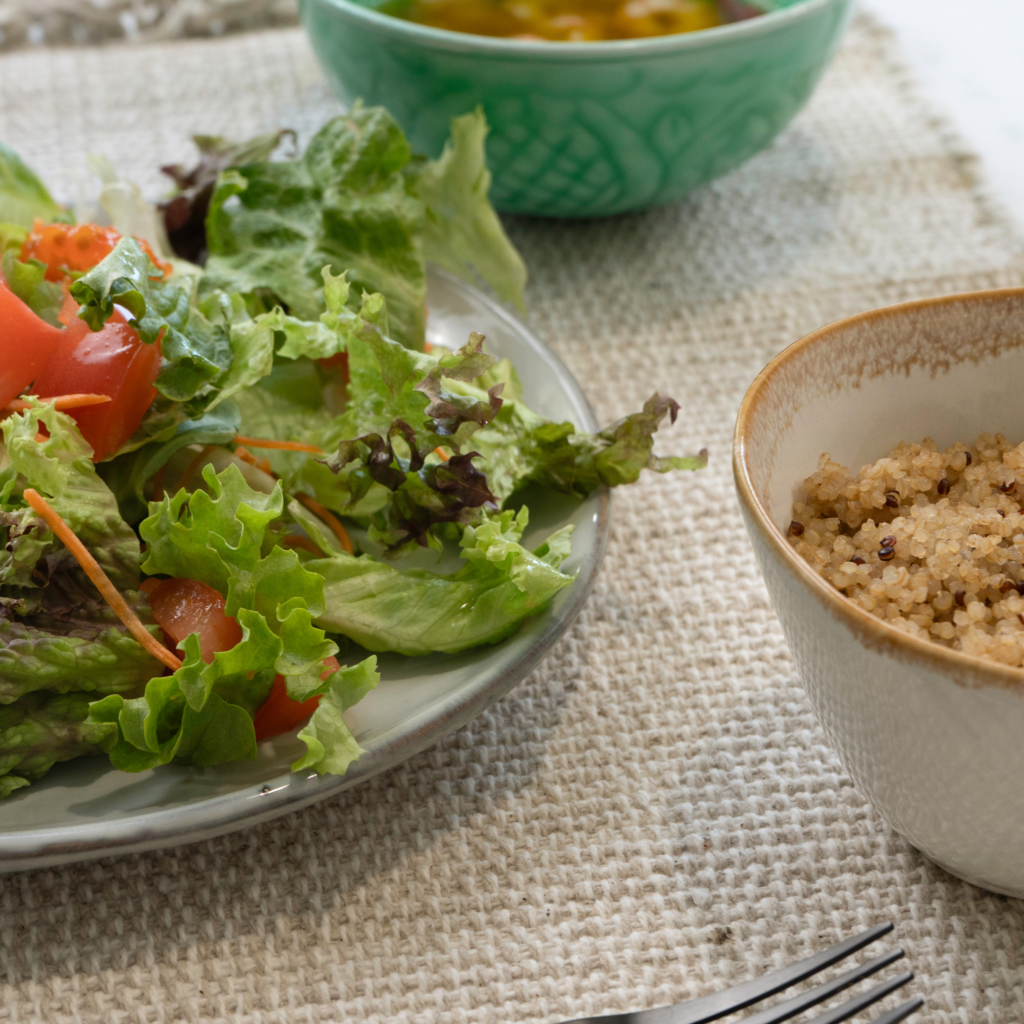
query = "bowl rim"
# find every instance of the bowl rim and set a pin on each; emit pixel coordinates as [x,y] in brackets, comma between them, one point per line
[966,668]
[445,39]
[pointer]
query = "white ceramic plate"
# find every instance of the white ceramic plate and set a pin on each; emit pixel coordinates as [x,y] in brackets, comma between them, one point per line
[84,809]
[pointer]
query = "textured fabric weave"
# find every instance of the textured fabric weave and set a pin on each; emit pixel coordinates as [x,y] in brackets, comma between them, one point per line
[87,22]
[654,813]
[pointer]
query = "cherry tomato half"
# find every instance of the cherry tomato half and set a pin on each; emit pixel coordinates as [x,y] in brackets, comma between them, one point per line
[26,343]
[280,714]
[183,606]
[67,247]
[112,361]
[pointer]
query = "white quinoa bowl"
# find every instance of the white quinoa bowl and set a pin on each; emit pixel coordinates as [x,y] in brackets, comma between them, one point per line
[933,737]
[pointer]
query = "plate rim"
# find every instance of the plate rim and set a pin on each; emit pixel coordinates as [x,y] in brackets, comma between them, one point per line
[44,847]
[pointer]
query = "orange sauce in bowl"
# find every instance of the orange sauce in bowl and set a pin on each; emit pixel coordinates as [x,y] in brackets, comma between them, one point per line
[577,21]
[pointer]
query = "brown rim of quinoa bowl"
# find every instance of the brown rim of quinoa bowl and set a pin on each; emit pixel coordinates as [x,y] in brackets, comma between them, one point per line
[965,669]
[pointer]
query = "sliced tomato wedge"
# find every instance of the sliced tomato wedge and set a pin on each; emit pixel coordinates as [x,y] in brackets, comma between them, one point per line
[183,606]
[113,361]
[280,714]
[26,344]
[75,247]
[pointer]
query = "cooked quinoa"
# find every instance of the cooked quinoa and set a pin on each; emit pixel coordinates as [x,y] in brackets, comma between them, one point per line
[930,541]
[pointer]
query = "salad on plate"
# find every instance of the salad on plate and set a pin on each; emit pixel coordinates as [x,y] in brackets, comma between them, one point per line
[225,437]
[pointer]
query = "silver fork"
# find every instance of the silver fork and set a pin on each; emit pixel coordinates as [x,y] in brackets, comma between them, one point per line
[732,1000]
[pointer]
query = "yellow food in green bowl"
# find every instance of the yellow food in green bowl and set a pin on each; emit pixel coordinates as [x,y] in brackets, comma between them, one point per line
[572,21]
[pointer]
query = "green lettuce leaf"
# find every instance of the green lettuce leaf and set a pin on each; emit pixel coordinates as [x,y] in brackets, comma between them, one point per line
[258,342]
[12,237]
[129,212]
[518,447]
[61,468]
[128,474]
[273,226]
[195,351]
[358,201]
[202,714]
[404,405]
[416,612]
[462,232]
[288,405]
[401,409]
[292,402]
[23,197]
[185,211]
[41,729]
[330,745]
[56,632]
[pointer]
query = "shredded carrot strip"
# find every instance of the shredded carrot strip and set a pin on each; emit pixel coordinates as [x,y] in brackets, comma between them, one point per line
[61,402]
[427,347]
[193,466]
[42,437]
[284,446]
[293,540]
[247,456]
[92,569]
[158,484]
[329,518]
[442,454]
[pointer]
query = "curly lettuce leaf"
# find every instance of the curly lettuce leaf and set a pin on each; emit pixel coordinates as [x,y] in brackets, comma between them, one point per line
[128,474]
[257,343]
[404,405]
[196,352]
[519,447]
[55,630]
[202,714]
[400,411]
[417,612]
[23,197]
[184,212]
[389,382]
[330,745]
[462,233]
[41,729]
[358,201]
[273,226]
[61,468]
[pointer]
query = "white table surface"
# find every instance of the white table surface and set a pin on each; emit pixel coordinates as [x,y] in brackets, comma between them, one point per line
[970,59]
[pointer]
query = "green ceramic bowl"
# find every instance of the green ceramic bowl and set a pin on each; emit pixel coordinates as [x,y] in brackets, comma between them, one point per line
[586,129]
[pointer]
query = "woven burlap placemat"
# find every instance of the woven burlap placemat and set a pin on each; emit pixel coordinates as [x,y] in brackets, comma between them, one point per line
[654,812]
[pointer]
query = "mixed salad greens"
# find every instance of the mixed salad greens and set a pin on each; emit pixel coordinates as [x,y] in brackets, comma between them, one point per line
[205,401]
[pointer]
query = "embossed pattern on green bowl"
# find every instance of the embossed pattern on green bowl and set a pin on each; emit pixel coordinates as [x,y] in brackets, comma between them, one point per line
[587,129]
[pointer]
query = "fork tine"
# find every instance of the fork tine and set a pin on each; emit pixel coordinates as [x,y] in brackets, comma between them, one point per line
[853,1006]
[731,1000]
[901,1012]
[804,1001]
